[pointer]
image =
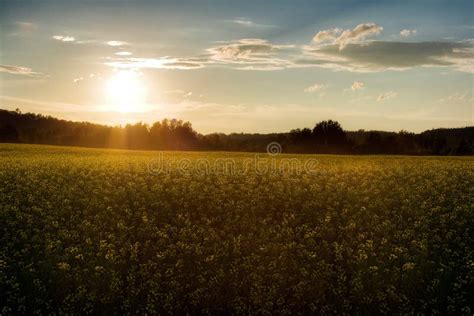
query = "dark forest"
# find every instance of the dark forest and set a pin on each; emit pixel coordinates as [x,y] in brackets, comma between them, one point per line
[326,137]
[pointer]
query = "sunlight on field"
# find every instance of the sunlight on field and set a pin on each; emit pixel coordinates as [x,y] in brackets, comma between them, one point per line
[110,228]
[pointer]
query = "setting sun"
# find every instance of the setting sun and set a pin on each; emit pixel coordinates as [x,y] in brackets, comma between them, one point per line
[126,92]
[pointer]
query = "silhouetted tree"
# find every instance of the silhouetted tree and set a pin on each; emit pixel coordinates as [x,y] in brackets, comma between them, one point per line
[463,148]
[329,134]
[8,133]
[326,137]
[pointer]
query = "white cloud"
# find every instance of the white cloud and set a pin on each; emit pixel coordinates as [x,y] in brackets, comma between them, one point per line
[64,38]
[348,36]
[357,85]
[89,41]
[250,54]
[327,35]
[67,38]
[76,80]
[333,49]
[387,96]
[315,88]
[18,70]
[357,34]
[243,22]
[116,43]
[406,32]
[247,22]
[156,63]
[123,53]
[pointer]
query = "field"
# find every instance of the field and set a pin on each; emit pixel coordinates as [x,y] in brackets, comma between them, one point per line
[131,232]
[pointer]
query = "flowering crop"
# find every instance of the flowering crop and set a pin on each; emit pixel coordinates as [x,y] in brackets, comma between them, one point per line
[99,231]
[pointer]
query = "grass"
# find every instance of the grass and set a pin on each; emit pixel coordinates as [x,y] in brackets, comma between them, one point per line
[112,231]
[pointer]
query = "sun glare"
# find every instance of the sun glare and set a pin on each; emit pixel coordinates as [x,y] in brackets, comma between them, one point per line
[126,92]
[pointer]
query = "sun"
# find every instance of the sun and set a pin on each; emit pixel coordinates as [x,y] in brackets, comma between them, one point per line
[126,92]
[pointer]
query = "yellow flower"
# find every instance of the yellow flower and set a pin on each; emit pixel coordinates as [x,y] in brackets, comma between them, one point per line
[408,266]
[64,266]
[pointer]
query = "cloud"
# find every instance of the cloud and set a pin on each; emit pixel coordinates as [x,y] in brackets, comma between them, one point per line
[358,54]
[357,85]
[348,36]
[327,35]
[116,43]
[76,80]
[357,34]
[72,39]
[457,97]
[123,53]
[156,63]
[244,22]
[247,22]
[64,38]
[377,56]
[243,54]
[406,32]
[87,41]
[18,70]
[316,88]
[250,54]
[387,96]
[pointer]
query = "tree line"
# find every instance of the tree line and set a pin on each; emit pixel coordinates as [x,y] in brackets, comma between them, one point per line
[171,134]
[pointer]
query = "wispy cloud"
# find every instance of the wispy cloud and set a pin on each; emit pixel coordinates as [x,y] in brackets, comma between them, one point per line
[357,85]
[327,35]
[457,97]
[348,36]
[250,54]
[116,43]
[317,87]
[87,77]
[75,40]
[19,70]
[407,32]
[335,49]
[123,53]
[386,96]
[156,63]
[243,54]
[247,23]
[64,38]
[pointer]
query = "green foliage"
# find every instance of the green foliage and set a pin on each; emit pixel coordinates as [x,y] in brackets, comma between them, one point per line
[94,231]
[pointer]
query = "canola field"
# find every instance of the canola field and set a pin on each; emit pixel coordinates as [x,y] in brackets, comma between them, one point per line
[94,231]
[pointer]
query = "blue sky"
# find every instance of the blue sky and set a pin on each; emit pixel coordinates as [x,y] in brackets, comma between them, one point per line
[241,66]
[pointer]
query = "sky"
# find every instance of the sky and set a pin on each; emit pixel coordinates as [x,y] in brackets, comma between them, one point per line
[241,66]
